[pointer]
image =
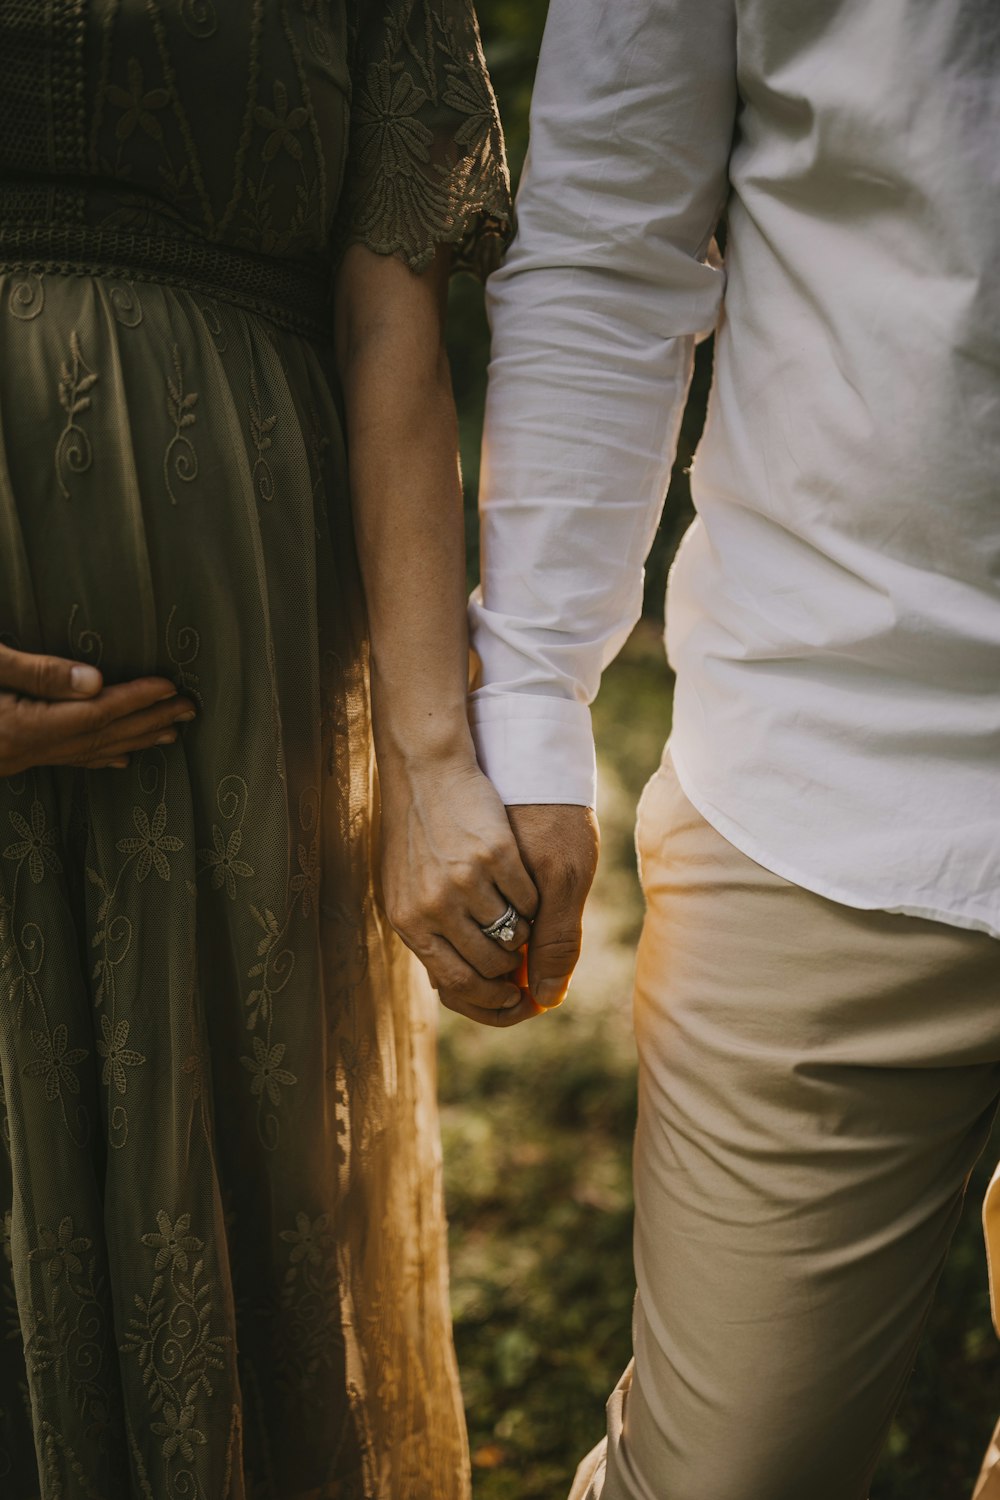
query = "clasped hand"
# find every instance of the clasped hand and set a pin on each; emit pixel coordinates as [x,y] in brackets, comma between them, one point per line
[454,858]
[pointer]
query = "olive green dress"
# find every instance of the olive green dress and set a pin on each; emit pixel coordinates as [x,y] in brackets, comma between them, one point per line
[223,1270]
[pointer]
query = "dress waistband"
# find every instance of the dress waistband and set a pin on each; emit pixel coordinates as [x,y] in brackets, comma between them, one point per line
[295,296]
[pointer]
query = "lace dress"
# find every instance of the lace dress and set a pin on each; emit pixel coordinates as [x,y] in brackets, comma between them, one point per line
[224,1259]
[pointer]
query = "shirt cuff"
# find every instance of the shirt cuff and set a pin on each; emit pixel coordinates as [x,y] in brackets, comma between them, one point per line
[535,749]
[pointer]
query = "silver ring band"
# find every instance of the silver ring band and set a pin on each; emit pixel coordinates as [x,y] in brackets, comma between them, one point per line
[504,928]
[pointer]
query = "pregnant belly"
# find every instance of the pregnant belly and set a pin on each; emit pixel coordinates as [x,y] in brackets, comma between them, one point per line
[163,457]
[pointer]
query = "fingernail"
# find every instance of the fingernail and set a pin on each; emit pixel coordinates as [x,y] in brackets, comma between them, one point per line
[551,992]
[514,1000]
[165,739]
[186,717]
[85,679]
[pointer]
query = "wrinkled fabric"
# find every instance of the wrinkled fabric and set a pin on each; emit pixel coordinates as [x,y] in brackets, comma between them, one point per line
[833,614]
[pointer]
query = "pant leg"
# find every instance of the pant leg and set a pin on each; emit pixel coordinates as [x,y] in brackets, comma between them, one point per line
[816,1084]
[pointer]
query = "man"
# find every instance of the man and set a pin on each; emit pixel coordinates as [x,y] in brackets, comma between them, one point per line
[818,988]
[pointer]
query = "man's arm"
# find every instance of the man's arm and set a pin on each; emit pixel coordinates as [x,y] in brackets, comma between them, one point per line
[594,318]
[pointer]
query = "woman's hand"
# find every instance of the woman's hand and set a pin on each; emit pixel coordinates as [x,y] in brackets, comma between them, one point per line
[55,712]
[450,864]
[450,867]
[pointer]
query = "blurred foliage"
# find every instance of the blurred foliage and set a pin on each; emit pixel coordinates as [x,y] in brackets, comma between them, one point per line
[538,1122]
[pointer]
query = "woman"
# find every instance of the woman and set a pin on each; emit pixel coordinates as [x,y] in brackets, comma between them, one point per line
[224,1247]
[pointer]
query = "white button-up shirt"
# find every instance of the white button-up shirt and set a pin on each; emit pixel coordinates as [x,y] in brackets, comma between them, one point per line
[834,612]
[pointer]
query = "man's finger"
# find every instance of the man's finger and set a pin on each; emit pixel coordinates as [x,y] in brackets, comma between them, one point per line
[50,677]
[559,846]
[517,885]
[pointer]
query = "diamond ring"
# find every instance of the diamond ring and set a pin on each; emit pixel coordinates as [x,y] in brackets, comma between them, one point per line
[504,928]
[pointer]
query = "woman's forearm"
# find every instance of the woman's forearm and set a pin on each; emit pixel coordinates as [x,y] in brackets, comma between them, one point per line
[450,865]
[407,501]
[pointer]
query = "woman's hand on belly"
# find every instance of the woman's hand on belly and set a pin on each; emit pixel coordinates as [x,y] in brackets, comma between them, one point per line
[55,712]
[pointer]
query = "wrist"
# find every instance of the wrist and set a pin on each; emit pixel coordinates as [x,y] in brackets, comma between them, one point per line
[435,741]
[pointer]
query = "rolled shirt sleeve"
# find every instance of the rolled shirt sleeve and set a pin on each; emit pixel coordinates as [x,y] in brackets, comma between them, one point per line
[594,317]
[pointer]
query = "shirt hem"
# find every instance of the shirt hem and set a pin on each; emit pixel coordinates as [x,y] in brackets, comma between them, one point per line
[740,839]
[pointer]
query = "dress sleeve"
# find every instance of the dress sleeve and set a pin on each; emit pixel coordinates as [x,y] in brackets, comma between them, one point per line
[426,163]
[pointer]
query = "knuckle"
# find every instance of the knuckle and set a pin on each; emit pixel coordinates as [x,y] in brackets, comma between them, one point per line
[441,897]
[402,918]
[94,743]
[496,964]
[48,676]
[466,876]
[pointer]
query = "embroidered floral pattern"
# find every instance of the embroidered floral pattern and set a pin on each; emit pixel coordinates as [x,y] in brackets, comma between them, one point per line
[56,1062]
[266,1070]
[60,1250]
[139,106]
[180,462]
[36,845]
[153,844]
[172,1243]
[224,861]
[198,999]
[405,174]
[74,454]
[282,125]
[117,1057]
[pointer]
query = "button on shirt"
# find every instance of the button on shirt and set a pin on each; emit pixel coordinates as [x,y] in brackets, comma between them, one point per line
[833,614]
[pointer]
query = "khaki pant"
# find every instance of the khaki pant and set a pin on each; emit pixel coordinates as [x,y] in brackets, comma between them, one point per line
[816,1083]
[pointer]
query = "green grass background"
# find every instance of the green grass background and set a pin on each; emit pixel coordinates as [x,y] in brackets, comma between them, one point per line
[538,1122]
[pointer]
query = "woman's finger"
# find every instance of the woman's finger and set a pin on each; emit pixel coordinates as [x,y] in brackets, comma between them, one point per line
[132,744]
[453,976]
[461,990]
[51,677]
[488,910]
[489,957]
[77,733]
[119,704]
[525,1010]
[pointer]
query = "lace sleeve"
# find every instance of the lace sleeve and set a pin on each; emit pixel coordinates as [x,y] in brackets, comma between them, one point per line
[426,163]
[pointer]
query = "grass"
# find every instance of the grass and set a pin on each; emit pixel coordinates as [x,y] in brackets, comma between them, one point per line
[538,1130]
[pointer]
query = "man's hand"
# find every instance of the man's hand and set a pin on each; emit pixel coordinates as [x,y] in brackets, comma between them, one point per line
[55,712]
[559,846]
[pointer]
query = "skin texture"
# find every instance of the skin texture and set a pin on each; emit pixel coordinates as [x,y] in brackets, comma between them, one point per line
[559,845]
[450,862]
[55,712]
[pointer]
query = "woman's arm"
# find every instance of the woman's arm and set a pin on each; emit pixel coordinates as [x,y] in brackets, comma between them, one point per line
[450,863]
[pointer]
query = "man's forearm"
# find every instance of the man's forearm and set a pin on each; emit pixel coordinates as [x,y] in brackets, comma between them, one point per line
[594,317]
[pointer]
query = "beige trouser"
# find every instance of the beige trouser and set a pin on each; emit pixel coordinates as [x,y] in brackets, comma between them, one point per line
[816,1083]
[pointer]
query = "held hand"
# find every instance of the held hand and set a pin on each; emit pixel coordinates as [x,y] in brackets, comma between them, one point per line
[559,846]
[55,712]
[449,868]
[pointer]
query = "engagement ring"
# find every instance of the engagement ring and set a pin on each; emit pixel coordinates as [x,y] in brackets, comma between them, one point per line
[504,928]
